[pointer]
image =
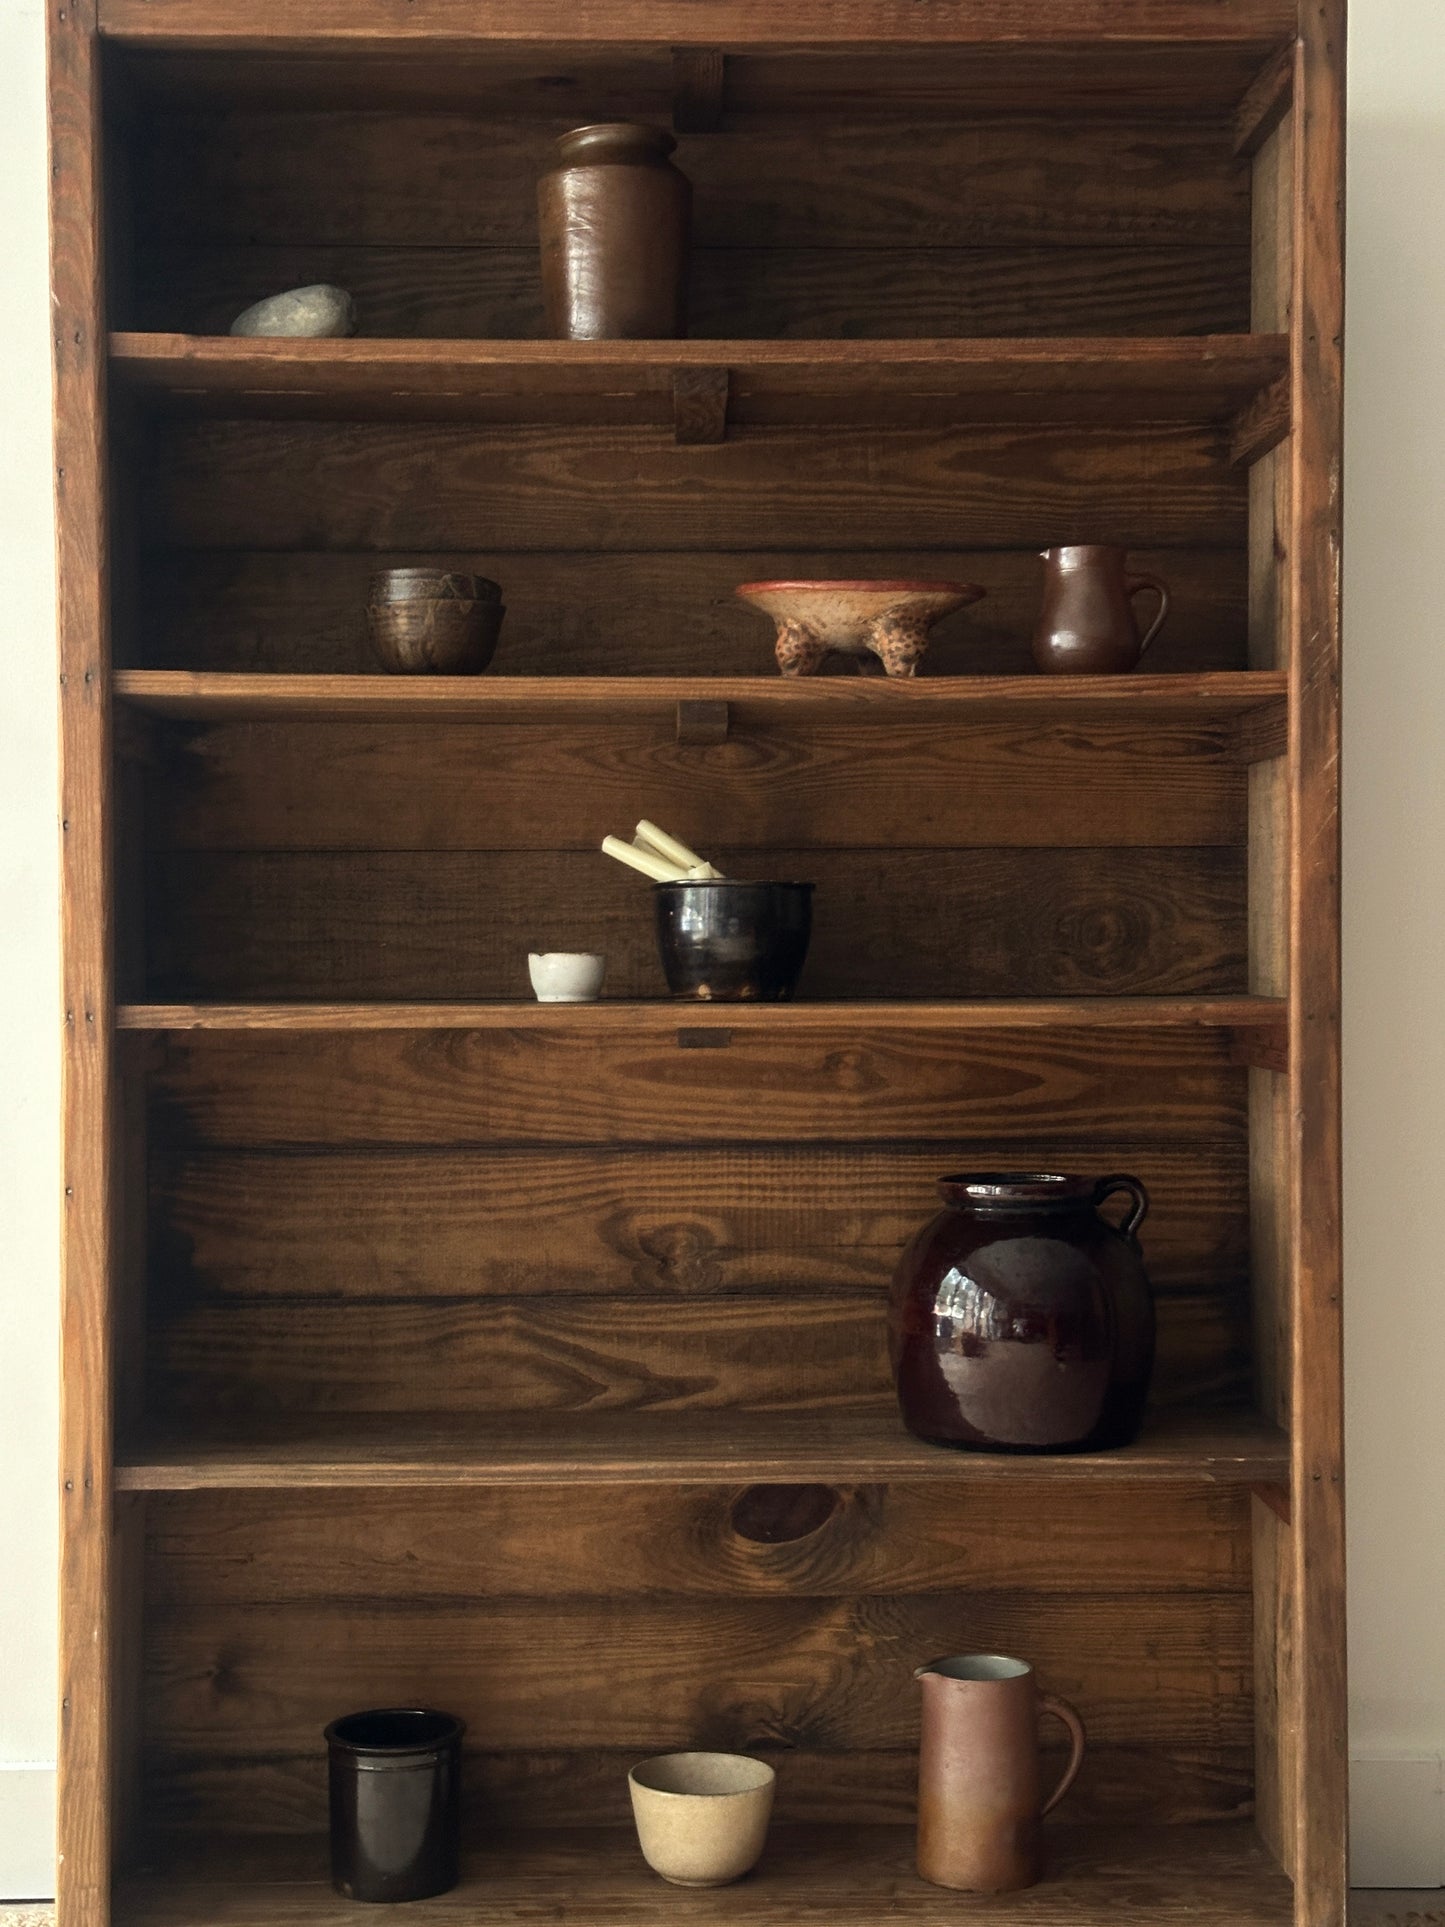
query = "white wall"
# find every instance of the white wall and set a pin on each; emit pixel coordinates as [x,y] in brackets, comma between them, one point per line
[1395,951]
[29,980]
[1395,934]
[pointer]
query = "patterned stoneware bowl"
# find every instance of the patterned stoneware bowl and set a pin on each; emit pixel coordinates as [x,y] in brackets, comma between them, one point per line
[889,620]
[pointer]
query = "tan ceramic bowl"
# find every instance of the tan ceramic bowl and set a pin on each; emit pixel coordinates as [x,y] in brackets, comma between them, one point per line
[887,619]
[701,1818]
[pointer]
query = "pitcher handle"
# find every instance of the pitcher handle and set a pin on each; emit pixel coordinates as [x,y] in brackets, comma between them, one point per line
[1106,1187]
[1134,584]
[1062,1710]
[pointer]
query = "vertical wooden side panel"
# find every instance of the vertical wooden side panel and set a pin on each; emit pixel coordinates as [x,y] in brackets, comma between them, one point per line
[1275,1765]
[1271,1268]
[88,1575]
[1318,1475]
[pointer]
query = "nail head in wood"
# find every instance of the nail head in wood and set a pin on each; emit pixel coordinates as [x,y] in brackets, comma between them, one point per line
[700,404]
[701,723]
[697,89]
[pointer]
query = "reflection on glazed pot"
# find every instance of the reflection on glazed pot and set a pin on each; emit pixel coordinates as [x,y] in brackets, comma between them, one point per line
[1021,1319]
[726,941]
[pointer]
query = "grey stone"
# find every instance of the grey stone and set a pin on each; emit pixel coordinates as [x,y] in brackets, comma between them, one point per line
[317,310]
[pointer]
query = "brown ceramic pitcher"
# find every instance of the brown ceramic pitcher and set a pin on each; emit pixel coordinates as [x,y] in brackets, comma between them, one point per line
[980,1795]
[1087,625]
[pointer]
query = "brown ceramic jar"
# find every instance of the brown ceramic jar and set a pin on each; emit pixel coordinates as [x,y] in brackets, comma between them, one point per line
[1021,1319]
[614,216]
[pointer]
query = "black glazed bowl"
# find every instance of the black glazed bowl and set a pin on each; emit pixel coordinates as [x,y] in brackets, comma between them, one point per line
[728,942]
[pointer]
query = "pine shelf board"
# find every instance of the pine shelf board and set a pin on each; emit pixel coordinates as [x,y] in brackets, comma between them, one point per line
[1105,381]
[733,24]
[232,695]
[1259,1017]
[848,1445]
[856,1876]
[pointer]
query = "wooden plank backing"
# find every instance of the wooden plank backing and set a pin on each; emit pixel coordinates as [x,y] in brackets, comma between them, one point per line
[575,613]
[457,180]
[233,1225]
[665,1671]
[392,925]
[832,1083]
[759,293]
[211,1552]
[596,1354]
[768,789]
[296,485]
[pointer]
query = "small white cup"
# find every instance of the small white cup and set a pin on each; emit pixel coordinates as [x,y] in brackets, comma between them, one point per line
[702,1818]
[566,976]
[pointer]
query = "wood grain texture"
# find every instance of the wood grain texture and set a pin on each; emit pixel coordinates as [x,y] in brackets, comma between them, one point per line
[704,1224]
[830,1081]
[760,293]
[572,613]
[632,1542]
[914,784]
[744,23]
[699,388]
[1207,1445]
[246,1360]
[1319,1702]
[388,926]
[812,1877]
[191,1793]
[455,180]
[632,79]
[299,485]
[1250,704]
[657,1673]
[93,1697]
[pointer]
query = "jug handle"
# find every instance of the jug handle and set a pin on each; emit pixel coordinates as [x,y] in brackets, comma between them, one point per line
[1106,1187]
[1133,585]
[1062,1710]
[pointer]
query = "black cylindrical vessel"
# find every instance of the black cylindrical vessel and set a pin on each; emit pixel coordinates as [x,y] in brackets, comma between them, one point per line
[731,942]
[395,1776]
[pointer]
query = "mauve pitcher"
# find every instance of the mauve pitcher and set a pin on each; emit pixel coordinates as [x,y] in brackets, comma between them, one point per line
[980,1785]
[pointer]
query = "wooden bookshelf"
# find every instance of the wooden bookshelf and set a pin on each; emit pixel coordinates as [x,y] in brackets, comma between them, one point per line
[423,1342]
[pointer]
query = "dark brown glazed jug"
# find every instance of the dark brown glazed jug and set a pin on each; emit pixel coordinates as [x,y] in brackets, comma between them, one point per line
[614,216]
[1087,625]
[1021,1320]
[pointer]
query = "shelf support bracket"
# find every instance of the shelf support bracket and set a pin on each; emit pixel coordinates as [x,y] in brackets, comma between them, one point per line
[1261,1048]
[1260,734]
[1261,425]
[700,405]
[698,74]
[1267,99]
[1277,1499]
[701,724]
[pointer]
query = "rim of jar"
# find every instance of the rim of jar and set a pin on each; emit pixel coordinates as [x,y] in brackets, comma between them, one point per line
[617,139]
[1002,1190]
